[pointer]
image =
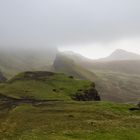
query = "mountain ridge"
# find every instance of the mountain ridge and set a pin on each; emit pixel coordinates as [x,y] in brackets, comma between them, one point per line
[19,60]
[120,54]
[114,79]
[65,64]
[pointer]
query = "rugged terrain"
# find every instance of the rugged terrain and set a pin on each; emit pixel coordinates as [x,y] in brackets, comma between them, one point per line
[43,85]
[116,76]
[39,105]
[116,80]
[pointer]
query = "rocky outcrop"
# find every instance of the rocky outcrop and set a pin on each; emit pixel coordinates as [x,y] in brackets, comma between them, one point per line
[87,95]
[135,108]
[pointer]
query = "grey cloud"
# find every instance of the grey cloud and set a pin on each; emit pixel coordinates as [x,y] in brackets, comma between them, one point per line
[64,22]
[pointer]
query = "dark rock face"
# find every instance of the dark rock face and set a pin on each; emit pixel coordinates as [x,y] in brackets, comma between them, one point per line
[87,95]
[135,108]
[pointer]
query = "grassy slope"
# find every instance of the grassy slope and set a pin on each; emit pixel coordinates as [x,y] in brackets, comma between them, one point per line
[13,61]
[118,80]
[71,121]
[66,65]
[66,120]
[118,86]
[43,88]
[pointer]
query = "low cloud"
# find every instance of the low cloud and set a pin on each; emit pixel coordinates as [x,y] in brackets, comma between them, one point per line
[41,23]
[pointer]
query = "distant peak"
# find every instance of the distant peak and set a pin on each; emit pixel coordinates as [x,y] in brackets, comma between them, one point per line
[121,54]
[121,51]
[68,52]
[124,52]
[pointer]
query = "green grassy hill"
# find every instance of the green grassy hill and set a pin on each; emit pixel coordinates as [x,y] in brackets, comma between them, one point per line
[51,113]
[70,121]
[43,85]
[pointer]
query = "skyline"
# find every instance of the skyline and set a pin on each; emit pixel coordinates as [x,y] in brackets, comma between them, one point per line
[101,50]
[91,28]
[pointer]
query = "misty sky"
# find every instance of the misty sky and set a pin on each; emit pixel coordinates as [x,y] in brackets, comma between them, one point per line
[93,28]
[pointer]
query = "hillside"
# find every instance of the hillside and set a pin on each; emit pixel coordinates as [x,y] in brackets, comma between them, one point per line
[120,61]
[43,85]
[75,56]
[115,80]
[108,75]
[39,105]
[118,87]
[123,66]
[64,63]
[19,60]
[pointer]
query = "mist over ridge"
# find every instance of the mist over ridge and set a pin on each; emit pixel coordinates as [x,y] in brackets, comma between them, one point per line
[106,25]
